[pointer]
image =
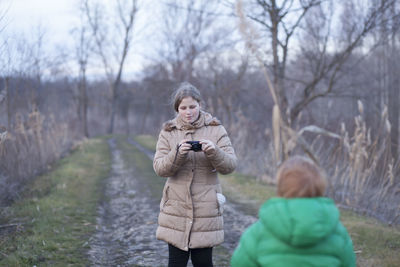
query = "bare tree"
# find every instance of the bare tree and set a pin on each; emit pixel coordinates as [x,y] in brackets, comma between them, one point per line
[37,64]
[394,88]
[4,94]
[190,29]
[83,49]
[381,74]
[224,85]
[283,22]
[112,49]
[284,19]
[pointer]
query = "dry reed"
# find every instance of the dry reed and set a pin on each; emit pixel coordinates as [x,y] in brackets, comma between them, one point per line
[361,170]
[28,150]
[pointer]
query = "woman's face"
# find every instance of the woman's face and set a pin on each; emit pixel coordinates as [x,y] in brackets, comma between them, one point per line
[189,109]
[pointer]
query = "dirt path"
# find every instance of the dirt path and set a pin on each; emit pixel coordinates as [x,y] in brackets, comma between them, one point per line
[127,221]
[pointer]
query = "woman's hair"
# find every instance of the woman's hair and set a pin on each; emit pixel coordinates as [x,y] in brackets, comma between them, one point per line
[185,89]
[300,177]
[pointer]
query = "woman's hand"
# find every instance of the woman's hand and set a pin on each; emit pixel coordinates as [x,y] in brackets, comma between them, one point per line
[183,147]
[207,146]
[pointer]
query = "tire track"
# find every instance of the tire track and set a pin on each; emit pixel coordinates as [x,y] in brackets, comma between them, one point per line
[127,221]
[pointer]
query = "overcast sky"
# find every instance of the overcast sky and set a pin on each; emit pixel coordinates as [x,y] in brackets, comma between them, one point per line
[56,18]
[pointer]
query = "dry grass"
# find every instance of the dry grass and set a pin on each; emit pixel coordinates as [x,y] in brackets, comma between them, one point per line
[361,170]
[29,149]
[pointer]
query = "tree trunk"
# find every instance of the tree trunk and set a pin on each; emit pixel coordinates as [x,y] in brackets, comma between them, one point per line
[146,112]
[84,103]
[8,103]
[393,101]
[128,132]
[113,109]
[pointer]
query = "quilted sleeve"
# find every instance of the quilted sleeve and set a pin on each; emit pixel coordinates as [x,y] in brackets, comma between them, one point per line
[167,160]
[223,158]
[245,255]
[348,255]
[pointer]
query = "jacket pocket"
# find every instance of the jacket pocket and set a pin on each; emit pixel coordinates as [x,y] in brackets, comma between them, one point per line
[164,198]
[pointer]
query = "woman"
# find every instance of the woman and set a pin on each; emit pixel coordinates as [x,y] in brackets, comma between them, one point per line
[190,218]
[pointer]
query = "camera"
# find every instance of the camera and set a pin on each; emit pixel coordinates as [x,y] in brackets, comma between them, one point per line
[196,146]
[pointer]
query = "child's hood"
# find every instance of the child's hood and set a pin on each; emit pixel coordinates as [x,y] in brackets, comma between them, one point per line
[300,221]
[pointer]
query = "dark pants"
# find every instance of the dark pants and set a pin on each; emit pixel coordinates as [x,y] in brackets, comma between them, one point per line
[201,257]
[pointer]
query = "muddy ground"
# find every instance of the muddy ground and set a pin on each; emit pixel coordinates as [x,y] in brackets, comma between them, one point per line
[127,220]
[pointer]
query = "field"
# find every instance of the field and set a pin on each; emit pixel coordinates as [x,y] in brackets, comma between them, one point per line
[53,221]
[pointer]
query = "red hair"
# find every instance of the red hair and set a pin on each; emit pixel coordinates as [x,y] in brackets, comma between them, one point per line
[300,177]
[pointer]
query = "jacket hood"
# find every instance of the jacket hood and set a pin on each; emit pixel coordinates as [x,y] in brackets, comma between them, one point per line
[204,119]
[299,222]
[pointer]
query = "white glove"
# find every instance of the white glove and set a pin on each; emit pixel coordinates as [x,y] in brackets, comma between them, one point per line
[221,201]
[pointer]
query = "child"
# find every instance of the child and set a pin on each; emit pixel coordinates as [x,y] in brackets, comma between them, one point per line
[298,228]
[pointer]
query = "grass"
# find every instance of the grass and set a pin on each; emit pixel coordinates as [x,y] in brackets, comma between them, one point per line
[51,224]
[246,191]
[146,141]
[375,243]
[57,213]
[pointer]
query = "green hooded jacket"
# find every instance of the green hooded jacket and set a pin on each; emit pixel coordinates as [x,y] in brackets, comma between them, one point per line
[296,232]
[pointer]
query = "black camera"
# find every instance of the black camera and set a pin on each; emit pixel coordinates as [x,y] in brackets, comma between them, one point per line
[196,146]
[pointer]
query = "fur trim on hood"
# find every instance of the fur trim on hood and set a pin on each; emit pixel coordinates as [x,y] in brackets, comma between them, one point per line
[208,121]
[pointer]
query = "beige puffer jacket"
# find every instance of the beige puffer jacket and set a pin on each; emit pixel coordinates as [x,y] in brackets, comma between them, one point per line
[190,216]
